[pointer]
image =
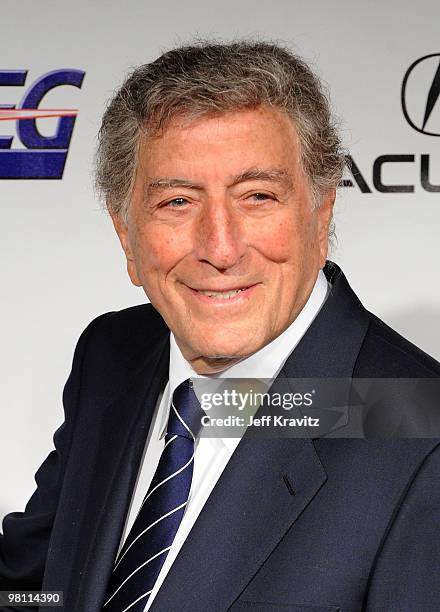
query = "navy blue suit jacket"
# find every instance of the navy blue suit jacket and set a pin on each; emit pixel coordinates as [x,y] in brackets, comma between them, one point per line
[292,524]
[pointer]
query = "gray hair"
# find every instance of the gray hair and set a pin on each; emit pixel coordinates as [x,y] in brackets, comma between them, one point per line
[207,78]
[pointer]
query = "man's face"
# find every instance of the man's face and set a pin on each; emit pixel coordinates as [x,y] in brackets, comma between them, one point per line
[222,234]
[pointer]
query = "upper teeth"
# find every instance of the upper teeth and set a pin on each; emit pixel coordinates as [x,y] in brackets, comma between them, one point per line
[224,295]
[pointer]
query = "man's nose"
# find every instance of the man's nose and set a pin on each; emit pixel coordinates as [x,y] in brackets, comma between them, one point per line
[220,236]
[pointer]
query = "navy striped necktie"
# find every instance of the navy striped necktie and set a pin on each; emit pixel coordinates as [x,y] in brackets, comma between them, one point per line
[146,547]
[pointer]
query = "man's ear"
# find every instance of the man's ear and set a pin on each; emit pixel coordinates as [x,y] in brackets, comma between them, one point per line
[124,237]
[325,215]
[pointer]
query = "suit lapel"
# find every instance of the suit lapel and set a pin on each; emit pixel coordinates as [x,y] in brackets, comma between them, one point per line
[122,437]
[263,489]
[331,345]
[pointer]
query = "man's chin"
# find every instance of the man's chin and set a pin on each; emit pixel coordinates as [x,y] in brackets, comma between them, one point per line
[221,355]
[218,346]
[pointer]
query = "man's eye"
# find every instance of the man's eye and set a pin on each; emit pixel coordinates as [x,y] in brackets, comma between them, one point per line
[176,202]
[261,197]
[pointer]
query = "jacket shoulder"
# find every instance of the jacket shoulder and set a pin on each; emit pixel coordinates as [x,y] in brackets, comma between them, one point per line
[129,328]
[385,353]
[115,344]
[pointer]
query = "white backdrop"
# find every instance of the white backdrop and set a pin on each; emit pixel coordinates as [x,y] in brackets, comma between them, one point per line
[61,263]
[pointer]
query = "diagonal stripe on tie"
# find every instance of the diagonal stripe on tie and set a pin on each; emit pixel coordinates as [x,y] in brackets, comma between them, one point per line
[152,534]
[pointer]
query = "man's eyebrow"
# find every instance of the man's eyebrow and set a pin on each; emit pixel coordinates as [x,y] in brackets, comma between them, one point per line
[277,175]
[166,182]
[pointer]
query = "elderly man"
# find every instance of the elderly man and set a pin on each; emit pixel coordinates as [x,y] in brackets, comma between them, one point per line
[219,164]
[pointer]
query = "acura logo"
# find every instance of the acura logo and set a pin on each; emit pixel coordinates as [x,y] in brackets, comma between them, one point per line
[420,94]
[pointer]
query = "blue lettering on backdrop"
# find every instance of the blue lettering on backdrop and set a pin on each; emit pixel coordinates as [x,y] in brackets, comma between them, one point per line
[43,157]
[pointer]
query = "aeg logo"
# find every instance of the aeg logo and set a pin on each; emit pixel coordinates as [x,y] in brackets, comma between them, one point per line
[43,157]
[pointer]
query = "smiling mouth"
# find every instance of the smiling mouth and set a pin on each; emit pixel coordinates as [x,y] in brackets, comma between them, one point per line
[222,296]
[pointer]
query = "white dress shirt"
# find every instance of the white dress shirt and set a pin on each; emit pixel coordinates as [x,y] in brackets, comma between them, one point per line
[212,453]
